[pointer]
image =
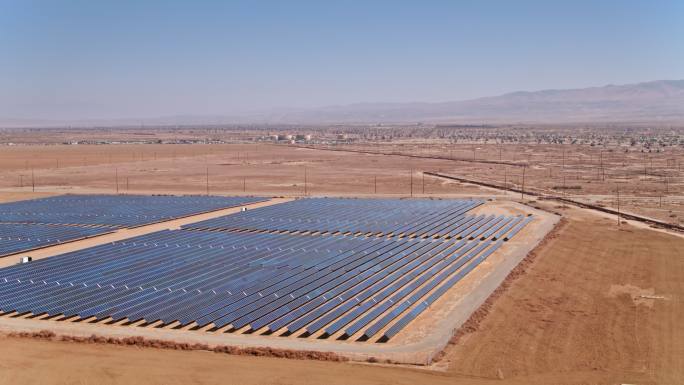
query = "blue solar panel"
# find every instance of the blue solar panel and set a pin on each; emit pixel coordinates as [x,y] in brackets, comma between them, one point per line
[16,238]
[114,210]
[297,267]
[336,215]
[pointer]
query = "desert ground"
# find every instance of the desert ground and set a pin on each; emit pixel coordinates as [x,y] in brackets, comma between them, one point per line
[593,303]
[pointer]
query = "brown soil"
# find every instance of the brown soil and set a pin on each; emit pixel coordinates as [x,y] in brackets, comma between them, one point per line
[564,318]
[233,169]
[650,184]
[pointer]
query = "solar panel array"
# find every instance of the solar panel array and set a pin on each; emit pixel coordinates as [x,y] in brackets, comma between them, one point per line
[329,282]
[114,210]
[30,224]
[15,238]
[353,216]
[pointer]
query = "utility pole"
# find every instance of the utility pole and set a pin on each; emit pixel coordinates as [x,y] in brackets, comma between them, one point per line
[505,177]
[667,185]
[522,191]
[305,181]
[565,190]
[207,180]
[33,181]
[21,180]
[126,184]
[617,191]
[563,159]
[375,184]
[116,177]
[411,180]
[244,183]
[423,188]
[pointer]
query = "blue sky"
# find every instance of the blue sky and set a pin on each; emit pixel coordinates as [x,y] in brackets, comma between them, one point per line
[121,59]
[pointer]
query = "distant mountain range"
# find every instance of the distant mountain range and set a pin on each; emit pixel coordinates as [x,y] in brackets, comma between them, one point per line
[656,101]
[661,100]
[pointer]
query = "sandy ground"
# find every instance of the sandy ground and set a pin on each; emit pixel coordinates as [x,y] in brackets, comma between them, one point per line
[585,307]
[232,169]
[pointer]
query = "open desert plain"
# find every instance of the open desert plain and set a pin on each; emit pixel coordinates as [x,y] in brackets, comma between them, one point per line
[573,298]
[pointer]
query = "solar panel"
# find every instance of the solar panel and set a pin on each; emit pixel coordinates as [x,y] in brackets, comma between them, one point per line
[113,210]
[15,238]
[314,265]
[338,215]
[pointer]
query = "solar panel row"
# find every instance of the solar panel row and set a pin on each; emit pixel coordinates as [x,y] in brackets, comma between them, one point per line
[16,238]
[356,216]
[252,281]
[327,281]
[113,210]
[30,224]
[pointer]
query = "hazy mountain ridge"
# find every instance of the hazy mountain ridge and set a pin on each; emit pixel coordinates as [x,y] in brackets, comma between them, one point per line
[657,100]
[661,100]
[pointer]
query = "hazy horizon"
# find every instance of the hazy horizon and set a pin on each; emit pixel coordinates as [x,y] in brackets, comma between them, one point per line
[67,60]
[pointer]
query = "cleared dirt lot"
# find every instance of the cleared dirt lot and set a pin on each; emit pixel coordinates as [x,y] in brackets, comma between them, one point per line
[232,169]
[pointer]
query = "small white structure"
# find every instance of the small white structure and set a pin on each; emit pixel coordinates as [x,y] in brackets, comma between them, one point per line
[25,259]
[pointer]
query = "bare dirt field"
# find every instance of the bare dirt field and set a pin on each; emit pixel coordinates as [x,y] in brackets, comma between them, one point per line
[231,169]
[650,183]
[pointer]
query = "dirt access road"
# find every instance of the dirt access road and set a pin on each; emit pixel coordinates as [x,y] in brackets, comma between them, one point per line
[598,305]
